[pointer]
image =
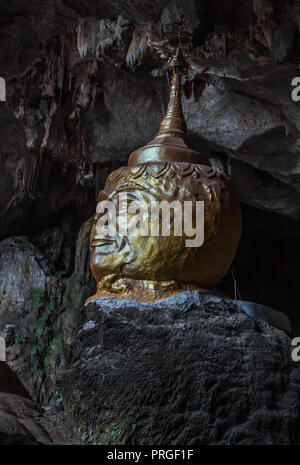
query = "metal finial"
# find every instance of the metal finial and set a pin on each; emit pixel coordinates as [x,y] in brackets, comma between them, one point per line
[178,63]
[180,21]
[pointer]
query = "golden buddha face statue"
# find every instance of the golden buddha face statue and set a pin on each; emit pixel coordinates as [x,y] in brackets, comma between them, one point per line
[139,265]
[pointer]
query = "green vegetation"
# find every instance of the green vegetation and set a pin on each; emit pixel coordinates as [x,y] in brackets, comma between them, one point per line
[111,435]
[42,347]
[58,398]
[37,295]
[88,435]
[59,274]
[43,321]
[21,338]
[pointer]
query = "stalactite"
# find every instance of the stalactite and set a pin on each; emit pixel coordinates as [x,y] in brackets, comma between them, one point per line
[84,173]
[44,171]
[32,174]
[48,122]
[198,88]
[262,29]
[263,8]
[87,33]
[137,48]
[26,175]
[61,73]
[188,89]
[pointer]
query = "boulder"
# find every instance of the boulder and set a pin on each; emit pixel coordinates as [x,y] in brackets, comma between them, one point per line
[50,242]
[23,274]
[192,369]
[10,383]
[22,422]
[38,309]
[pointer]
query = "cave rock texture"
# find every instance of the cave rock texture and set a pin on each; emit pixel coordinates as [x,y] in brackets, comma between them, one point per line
[22,422]
[86,85]
[84,88]
[186,370]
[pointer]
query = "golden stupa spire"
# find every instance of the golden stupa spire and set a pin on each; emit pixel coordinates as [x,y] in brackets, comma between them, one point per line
[171,143]
[174,122]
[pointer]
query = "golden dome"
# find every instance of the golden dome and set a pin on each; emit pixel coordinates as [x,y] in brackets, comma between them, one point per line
[171,143]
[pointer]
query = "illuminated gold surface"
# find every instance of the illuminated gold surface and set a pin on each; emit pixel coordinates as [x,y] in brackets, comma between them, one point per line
[140,290]
[150,268]
[171,143]
[164,259]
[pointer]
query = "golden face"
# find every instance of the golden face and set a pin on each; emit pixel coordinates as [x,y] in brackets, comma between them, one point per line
[167,258]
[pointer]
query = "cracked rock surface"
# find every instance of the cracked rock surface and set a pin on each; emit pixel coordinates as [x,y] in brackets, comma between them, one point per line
[186,370]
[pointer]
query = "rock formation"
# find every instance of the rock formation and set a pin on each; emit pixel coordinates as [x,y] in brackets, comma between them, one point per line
[76,70]
[85,86]
[22,422]
[191,369]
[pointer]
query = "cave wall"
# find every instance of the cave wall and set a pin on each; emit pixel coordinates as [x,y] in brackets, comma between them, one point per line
[85,87]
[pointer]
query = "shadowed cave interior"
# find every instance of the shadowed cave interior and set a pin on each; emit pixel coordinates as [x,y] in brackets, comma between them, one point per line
[85,87]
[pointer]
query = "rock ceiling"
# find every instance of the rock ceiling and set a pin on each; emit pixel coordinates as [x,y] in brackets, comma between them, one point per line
[86,86]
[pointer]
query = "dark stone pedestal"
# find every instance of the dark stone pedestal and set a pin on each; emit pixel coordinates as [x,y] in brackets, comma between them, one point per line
[189,370]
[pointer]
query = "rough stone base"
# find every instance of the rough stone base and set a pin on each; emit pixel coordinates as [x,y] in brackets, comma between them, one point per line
[183,371]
